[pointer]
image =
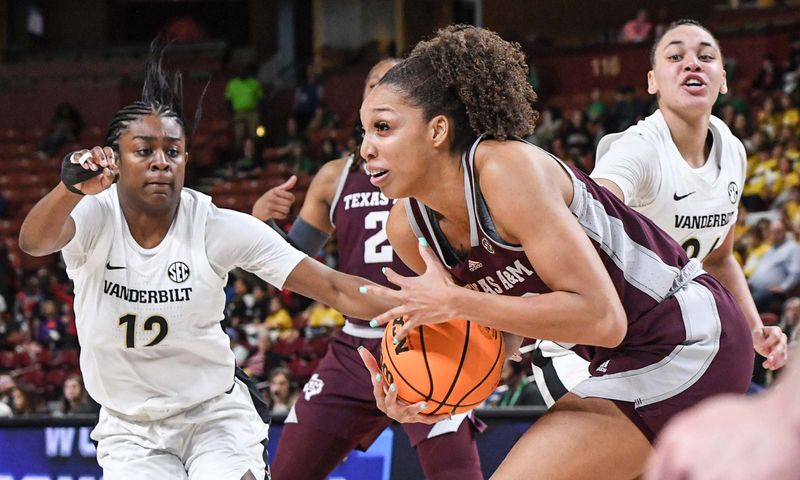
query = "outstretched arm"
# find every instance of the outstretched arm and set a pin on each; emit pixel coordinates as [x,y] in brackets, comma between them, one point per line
[341,291]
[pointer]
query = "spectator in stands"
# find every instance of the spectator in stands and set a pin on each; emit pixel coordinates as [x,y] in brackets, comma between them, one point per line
[791,209]
[65,126]
[244,93]
[638,29]
[596,110]
[307,97]
[778,271]
[264,360]
[323,118]
[75,400]
[757,245]
[769,78]
[7,386]
[321,315]
[790,320]
[298,161]
[625,111]
[258,308]
[22,401]
[548,127]
[282,393]
[278,318]
[29,299]
[51,327]
[577,139]
[516,389]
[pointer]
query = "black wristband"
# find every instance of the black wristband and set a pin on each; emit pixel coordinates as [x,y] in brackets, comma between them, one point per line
[74,173]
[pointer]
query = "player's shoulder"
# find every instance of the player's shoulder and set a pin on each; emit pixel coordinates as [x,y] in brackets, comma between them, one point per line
[637,141]
[331,171]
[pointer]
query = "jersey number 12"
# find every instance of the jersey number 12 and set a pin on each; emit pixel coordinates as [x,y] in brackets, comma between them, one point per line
[130,329]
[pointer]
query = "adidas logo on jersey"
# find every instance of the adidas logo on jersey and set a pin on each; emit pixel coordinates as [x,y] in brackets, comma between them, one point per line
[603,367]
[473,265]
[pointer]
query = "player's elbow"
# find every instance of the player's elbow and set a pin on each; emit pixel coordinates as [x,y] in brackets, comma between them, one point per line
[29,245]
[611,324]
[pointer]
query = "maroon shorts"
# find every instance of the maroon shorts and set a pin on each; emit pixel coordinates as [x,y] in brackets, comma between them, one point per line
[338,399]
[700,346]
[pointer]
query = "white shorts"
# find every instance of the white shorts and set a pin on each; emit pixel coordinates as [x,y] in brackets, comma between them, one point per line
[557,370]
[219,439]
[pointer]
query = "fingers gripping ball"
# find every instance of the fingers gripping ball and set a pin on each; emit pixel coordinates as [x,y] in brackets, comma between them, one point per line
[74,173]
[452,366]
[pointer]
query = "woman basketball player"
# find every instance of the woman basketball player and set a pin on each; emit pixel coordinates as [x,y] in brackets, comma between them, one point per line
[683,169]
[544,253]
[336,412]
[149,259]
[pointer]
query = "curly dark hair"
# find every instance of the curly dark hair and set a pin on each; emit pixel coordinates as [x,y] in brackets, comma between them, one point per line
[673,26]
[475,78]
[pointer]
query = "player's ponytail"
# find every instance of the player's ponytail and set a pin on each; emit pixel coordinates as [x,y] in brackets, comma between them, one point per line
[162,94]
[474,77]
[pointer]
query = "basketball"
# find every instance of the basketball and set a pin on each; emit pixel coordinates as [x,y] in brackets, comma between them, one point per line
[453,366]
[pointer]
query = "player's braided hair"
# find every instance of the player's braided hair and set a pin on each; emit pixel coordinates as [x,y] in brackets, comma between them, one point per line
[475,78]
[672,26]
[162,94]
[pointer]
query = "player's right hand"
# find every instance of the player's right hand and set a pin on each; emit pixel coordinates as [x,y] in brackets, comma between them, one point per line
[276,202]
[94,159]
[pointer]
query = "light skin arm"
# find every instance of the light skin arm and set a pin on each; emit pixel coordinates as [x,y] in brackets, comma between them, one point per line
[315,280]
[612,187]
[733,437]
[48,227]
[769,342]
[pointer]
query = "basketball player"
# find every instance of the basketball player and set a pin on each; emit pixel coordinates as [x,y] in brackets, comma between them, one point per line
[682,168]
[336,412]
[533,247]
[149,259]
[730,438]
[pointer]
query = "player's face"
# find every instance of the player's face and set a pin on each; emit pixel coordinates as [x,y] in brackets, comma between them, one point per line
[687,74]
[152,162]
[394,143]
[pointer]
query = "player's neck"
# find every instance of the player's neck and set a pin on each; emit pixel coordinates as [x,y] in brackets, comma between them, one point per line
[146,228]
[444,192]
[689,135]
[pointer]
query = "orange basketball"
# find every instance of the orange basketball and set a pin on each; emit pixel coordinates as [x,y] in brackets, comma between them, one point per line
[453,366]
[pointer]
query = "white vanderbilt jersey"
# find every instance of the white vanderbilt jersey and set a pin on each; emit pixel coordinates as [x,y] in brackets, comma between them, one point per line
[149,319]
[696,210]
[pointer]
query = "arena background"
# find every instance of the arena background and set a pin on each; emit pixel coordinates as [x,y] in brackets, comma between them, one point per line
[67,66]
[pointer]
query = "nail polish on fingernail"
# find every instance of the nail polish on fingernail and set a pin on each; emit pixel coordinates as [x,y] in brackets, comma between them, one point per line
[377,377]
[423,406]
[383,270]
[393,388]
[373,323]
[423,242]
[360,347]
[362,290]
[395,341]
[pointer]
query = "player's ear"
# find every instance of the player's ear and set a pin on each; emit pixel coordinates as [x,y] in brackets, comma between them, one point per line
[723,89]
[652,87]
[439,128]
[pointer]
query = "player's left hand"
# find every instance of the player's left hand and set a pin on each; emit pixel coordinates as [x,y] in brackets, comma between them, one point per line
[423,300]
[386,397]
[771,343]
